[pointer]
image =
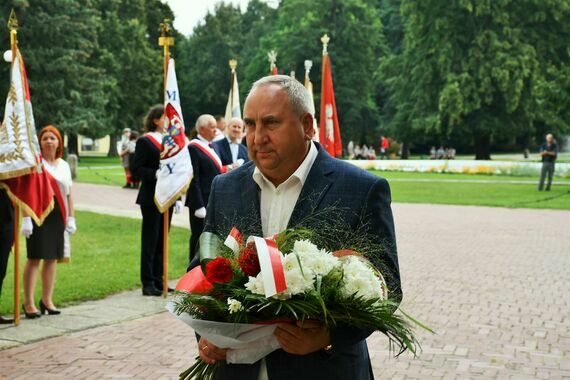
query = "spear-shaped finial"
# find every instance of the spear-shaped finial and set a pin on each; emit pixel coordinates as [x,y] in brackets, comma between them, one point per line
[13,27]
[272,58]
[233,64]
[325,40]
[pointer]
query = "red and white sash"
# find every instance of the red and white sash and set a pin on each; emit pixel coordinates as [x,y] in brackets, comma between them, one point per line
[156,139]
[211,153]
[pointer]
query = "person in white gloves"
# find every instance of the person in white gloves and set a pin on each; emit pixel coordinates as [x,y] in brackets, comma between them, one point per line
[47,242]
[145,167]
[206,165]
[231,151]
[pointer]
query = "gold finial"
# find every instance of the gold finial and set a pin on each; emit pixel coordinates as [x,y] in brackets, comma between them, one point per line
[165,34]
[12,21]
[233,64]
[272,58]
[325,40]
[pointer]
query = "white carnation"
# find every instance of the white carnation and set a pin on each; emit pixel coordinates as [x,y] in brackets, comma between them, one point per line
[255,284]
[234,305]
[360,279]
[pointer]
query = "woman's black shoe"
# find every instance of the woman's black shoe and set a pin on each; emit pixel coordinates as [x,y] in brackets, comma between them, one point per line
[148,291]
[44,309]
[33,315]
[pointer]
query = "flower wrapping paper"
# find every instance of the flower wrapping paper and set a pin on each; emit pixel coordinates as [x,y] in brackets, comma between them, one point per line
[246,343]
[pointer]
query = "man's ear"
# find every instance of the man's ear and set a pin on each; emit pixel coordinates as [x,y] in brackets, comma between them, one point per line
[307,122]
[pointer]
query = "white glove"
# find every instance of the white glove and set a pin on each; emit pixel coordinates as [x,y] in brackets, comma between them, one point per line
[200,213]
[178,207]
[71,227]
[239,162]
[157,174]
[27,226]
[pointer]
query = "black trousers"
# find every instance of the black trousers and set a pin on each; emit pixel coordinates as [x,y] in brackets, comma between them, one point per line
[152,239]
[6,233]
[197,226]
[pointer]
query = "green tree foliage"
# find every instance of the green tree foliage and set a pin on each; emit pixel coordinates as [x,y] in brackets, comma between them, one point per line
[479,70]
[58,39]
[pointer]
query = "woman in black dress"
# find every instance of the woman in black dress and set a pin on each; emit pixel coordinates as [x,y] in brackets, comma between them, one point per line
[47,242]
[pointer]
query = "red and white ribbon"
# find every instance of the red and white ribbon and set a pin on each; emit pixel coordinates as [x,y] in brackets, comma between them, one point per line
[234,240]
[271,266]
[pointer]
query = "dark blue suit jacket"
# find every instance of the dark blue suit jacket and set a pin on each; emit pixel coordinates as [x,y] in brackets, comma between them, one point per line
[204,172]
[365,203]
[222,147]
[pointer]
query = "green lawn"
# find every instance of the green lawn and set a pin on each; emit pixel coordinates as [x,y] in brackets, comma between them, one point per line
[408,187]
[105,259]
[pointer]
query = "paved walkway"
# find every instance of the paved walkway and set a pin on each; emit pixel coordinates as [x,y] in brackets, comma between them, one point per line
[492,282]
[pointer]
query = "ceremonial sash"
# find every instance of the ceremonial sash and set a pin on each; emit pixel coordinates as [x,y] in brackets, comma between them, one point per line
[211,155]
[154,140]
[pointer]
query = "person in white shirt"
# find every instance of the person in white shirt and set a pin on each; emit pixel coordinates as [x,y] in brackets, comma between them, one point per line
[290,183]
[231,150]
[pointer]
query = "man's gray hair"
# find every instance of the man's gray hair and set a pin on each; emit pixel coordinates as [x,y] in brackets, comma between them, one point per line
[299,97]
[203,121]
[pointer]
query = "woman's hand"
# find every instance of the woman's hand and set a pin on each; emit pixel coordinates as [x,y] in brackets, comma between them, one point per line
[27,226]
[209,353]
[71,228]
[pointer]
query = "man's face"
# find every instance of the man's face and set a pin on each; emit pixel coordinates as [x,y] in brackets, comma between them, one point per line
[235,130]
[549,138]
[221,124]
[277,139]
[209,131]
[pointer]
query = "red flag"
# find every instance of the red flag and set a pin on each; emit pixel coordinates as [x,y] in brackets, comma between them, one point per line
[329,131]
[33,193]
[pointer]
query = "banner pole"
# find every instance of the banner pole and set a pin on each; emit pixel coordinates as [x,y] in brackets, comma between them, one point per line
[13,26]
[166,41]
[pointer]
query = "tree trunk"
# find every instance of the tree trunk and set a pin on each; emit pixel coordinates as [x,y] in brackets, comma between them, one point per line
[405,150]
[72,144]
[482,146]
[113,146]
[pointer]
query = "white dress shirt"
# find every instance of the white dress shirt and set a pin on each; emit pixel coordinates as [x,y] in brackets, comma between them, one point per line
[234,147]
[277,203]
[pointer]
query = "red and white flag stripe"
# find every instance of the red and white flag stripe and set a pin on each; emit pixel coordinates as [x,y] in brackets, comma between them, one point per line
[271,266]
[234,240]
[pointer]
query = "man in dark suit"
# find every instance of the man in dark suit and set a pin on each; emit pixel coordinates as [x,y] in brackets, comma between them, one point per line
[6,240]
[230,149]
[206,165]
[291,182]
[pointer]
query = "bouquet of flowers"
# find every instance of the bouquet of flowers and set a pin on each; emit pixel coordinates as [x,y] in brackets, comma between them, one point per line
[242,289]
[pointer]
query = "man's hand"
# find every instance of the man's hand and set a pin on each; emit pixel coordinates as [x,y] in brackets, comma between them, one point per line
[303,338]
[209,353]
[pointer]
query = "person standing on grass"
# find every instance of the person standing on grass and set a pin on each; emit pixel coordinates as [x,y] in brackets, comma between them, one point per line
[548,152]
[124,154]
[50,241]
[145,167]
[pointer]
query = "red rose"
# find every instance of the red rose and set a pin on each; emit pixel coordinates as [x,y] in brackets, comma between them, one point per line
[219,270]
[249,262]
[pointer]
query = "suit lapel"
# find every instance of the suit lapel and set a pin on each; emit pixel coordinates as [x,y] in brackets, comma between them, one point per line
[315,188]
[250,202]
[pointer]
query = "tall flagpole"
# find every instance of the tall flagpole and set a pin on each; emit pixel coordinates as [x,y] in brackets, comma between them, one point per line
[13,27]
[165,40]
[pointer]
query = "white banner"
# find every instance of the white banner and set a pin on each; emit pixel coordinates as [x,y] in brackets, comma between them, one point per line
[175,165]
[19,149]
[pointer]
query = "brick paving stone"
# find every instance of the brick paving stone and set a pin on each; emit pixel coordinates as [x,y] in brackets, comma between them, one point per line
[491,282]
